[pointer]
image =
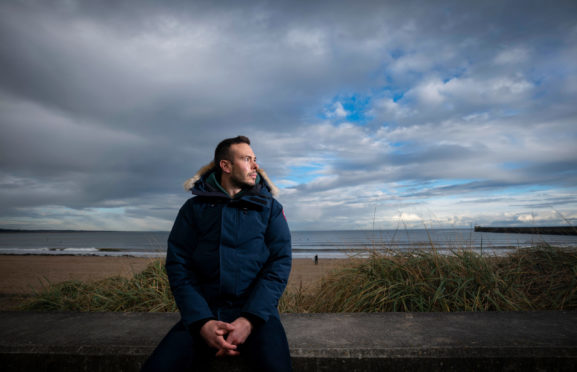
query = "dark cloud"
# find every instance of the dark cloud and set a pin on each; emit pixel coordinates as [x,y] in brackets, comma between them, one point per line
[112,104]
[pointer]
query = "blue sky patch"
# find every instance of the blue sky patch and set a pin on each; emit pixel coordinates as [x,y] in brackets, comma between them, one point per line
[305,174]
[355,106]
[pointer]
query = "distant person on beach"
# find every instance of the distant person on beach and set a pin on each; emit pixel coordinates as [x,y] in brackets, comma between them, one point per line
[228,263]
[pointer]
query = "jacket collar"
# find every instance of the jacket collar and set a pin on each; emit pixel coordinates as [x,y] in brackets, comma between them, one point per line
[207,169]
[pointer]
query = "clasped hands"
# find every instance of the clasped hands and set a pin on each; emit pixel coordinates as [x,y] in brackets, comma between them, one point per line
[225,337]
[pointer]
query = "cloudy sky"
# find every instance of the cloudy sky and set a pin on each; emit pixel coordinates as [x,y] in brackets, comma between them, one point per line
[366,114]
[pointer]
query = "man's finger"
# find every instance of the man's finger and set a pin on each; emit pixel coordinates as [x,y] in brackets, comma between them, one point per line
[224,352]
[223,344]
[225,326]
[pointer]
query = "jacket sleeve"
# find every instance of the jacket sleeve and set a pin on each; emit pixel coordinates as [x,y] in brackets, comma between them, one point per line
[183,281]
[273,277]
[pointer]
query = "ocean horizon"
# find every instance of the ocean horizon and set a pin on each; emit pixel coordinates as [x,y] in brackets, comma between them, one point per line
[305,244]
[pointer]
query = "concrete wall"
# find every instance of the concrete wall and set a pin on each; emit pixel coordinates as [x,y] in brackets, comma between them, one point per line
[530,341]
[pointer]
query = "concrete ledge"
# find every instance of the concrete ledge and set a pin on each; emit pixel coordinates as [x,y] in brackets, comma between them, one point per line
[529,341]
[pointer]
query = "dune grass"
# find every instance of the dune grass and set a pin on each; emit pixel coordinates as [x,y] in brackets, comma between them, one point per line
[541,278]
[534,279]
[147,291]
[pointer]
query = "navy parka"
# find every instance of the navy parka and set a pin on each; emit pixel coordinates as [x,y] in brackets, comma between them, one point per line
[228,257]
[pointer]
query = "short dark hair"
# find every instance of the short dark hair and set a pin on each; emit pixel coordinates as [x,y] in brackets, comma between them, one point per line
[222,151]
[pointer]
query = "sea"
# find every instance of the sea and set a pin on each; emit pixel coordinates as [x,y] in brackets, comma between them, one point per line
[305,244]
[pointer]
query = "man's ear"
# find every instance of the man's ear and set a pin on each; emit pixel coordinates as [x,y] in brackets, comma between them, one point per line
[225,166]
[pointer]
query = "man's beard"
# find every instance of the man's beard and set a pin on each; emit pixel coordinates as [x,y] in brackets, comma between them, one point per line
[240,183]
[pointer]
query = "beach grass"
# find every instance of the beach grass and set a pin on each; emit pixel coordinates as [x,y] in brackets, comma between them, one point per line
[147,291]
[534,279]
[539,278]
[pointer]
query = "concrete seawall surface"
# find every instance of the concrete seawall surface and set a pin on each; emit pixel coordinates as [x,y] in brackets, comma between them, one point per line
[490,341]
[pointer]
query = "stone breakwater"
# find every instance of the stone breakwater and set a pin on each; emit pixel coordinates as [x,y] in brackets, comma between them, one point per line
[544,230]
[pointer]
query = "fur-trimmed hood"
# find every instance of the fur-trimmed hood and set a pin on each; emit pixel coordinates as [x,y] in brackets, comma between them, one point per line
[189,183]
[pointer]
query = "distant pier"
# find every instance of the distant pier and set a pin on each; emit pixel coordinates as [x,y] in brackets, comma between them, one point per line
[544,230]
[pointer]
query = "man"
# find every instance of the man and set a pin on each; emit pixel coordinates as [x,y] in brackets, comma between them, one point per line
[228,262]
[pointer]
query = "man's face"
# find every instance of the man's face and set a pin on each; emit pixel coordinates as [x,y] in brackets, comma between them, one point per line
[243,168]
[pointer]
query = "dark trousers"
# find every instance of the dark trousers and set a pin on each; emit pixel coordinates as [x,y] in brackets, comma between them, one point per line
[266,349]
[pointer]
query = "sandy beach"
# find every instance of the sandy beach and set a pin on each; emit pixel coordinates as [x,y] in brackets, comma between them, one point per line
[23,275]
